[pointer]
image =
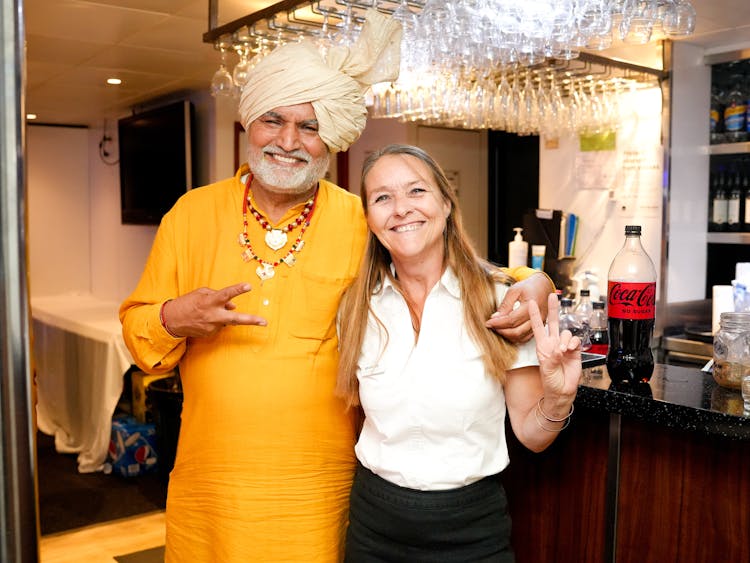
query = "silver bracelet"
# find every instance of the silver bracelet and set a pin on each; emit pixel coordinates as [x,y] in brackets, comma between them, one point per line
[541,410]
[546,429]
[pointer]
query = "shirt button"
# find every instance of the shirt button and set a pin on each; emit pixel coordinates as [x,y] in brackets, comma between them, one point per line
[265,302]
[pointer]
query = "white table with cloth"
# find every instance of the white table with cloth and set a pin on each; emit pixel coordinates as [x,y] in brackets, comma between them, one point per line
[80,359]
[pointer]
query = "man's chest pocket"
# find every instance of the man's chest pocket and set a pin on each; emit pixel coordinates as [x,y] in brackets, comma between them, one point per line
[314,303]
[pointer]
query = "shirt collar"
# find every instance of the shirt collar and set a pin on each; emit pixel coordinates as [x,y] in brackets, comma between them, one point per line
[448,280]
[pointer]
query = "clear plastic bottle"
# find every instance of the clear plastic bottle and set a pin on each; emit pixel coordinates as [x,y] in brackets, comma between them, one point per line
[583,312]
[570,321]
[734,111]
[599,336]
[631,305]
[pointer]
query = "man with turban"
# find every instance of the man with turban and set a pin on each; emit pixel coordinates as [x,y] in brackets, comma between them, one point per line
[265,455]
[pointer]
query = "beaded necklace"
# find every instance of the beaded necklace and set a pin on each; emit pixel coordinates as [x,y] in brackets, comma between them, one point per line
[266,270]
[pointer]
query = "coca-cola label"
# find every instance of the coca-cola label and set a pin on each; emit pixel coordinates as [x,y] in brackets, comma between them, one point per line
[629,300]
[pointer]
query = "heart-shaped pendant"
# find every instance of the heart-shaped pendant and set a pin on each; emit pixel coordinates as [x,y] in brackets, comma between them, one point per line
[265,271]
[275,239]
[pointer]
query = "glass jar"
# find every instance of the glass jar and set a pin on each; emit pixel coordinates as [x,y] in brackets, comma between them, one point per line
[732,350]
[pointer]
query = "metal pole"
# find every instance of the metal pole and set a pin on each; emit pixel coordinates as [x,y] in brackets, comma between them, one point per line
[613,487]
[20,524]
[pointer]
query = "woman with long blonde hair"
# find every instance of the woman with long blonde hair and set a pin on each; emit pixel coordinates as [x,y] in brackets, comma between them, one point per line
[434,382]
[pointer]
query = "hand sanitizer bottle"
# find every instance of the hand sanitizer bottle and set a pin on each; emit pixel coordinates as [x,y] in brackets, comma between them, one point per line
[518,250]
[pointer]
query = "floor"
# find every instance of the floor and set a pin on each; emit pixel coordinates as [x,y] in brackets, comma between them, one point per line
[100,543]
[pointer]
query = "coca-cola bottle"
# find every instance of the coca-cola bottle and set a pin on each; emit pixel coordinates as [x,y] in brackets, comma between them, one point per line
[599,333]
[631,299]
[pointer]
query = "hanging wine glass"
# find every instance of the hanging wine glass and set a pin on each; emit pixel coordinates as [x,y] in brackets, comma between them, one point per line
[638,21]
[679,18]
[221,83]
[346,36]
[503,105]
[477,105]
[515,106]
[324,37]
[542,104]
[595,117]
[555,109]
[405,16]
[241,72]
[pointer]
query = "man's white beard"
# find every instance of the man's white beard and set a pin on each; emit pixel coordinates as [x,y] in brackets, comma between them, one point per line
[280,178]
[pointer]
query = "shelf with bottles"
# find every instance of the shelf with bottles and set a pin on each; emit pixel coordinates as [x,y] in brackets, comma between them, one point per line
[730,110]
[729,198]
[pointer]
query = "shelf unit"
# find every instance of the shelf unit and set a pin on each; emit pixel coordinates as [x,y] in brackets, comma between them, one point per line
[729,237]
[730,148]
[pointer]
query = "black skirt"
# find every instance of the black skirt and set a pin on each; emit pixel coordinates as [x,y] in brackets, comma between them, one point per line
[389,523]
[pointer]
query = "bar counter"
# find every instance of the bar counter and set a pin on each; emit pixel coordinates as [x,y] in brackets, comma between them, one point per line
[678,397]
[656,473]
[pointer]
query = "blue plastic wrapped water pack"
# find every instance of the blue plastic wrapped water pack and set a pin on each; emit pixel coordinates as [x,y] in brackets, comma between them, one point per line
[132,447]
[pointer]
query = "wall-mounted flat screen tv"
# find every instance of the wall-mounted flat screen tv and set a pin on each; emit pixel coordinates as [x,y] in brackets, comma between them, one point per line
[156,164]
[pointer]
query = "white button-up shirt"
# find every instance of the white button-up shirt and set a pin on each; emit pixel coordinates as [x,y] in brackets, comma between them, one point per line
[434,416]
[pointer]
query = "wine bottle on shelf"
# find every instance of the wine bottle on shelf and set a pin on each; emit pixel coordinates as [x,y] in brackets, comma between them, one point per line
[719,205]
[734,203]
[742,195]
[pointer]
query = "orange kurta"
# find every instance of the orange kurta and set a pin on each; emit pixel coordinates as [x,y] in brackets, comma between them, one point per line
[265,455]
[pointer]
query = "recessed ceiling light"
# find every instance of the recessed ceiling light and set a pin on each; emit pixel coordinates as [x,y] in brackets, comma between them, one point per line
[114,81]
[30,116]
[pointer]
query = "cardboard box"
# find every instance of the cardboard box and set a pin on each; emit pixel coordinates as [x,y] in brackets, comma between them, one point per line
[139,382]
[132,447]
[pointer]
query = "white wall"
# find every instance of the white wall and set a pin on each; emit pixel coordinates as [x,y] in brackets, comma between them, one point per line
[689,171]
[59,210]
[621,197]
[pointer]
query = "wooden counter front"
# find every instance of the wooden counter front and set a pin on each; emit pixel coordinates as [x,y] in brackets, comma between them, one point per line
[627,486]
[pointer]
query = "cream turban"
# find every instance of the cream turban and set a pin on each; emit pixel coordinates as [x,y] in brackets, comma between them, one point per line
[296,73]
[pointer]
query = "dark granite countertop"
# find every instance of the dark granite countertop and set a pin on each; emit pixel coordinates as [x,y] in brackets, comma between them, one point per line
[679,397]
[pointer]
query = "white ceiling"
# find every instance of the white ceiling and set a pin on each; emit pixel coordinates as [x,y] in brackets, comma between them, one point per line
[156,47]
